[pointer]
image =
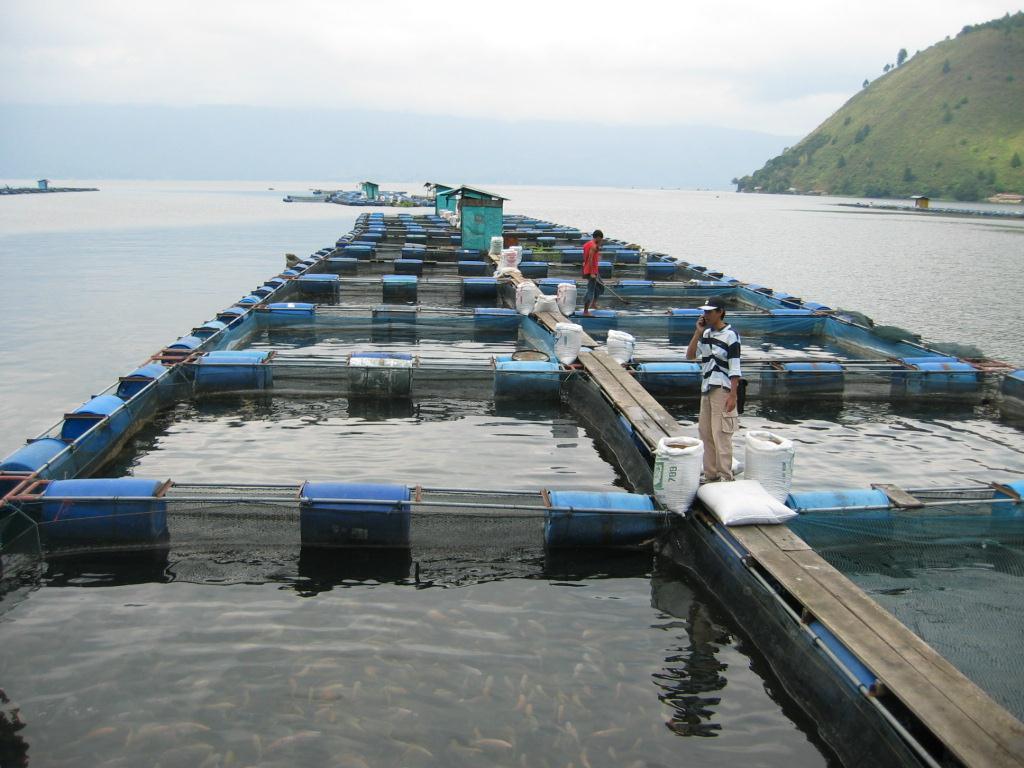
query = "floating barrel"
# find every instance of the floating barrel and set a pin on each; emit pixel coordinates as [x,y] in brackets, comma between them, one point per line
[361,252]
[635,287]
[495,319]
[264,291]
[472,268]
[526,379]
[87,415]
[529,255]
[479,288]
[232,316]
[549,285]
[864,676]
[186,343]
[627,256]
[604,268]
[109,518]
[803,379]
[354,515]
[660,270]
[790,312]
[372,235]
[413,251]
[291,310]
[546,241]
[380,374]
[572,256]
[816,307]
[30,457]
[320,284]
[137,380]
[409,267]
[250,299]
[455,239]
[233,370]
[343,265]
[670,379]
[401,288]
[936,376]
[416,237]
[209,328]
[854,498]
[533,269]
[599,320]
[1017,486]
[629,519]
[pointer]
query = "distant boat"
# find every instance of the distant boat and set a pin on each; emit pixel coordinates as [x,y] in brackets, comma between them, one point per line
[316,197]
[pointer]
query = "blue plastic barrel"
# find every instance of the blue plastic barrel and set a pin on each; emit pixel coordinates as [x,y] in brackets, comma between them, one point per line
[549,285]
[250,299]
[374,515]
[526,379]
[186,343]
[812,378]
[232,316]
[85,416]
[604,268]
[409,267]
[105,521]
[599,320]
[495,319]
[670,379]
[209,328]
[472,268]
[30,457]
[320,283]
[853,498]
[479,287]
[627,256]
[399,288]
[572,256]
[291,310]
[343,265]
[361,252]
[790,312]
[134,382]
[631,519]
[264,290]
[233,371]
[938,377]
[815,306]
[660,270]
[635,287]
[533,269]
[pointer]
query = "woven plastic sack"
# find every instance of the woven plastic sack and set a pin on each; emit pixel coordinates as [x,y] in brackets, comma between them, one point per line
[677,466]
[769,460]
[545,304]
[743,502]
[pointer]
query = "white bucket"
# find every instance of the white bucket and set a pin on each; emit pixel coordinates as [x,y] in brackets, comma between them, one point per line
[566,298]
[497,243]
[526,295]
[568,340]
[769,460]
[620,346]
[677,466]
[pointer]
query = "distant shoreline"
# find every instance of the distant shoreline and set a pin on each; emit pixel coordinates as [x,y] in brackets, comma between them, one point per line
[37,191]
[936,211]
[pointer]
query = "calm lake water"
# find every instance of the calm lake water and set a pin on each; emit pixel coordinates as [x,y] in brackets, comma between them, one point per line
[254,653]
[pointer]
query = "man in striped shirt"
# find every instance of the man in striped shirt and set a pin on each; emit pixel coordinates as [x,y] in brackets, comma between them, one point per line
[718,347]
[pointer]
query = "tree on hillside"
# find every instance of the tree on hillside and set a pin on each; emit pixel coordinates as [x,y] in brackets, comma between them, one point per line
[901,57]
[865,85]
[1015,160]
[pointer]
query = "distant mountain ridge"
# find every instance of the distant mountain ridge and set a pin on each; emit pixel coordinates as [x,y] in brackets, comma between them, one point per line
[947,123]
[231,142]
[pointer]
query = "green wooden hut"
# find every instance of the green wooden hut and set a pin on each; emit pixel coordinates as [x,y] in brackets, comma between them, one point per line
[482,216]
[371,189]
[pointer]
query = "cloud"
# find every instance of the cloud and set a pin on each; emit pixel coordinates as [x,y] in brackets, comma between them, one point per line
[739,64]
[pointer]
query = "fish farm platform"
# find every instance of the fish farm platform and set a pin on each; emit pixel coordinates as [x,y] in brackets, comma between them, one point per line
[396,315]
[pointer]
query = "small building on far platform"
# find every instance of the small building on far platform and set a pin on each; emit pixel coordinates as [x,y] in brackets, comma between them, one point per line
[920,201]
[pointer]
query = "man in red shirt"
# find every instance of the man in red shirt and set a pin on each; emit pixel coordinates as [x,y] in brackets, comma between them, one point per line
[591,271]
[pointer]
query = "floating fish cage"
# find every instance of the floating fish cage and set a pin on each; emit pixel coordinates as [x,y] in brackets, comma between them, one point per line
[397,317]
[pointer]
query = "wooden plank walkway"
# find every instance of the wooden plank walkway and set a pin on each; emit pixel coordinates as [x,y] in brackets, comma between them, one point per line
[974,728]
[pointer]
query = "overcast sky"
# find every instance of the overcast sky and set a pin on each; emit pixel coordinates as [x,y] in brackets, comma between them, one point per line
[780,67]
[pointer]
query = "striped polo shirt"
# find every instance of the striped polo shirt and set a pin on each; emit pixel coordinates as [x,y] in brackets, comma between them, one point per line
[719,353]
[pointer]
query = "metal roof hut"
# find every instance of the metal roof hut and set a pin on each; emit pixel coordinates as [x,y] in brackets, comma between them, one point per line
[371,189]
[441,201]
[481,214]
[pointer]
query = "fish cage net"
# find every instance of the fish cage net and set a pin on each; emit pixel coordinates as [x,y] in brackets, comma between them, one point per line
[952,574]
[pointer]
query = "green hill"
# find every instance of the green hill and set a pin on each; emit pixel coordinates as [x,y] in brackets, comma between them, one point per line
[948,123]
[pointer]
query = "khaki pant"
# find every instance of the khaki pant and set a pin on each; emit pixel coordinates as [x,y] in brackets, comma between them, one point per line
[716,429]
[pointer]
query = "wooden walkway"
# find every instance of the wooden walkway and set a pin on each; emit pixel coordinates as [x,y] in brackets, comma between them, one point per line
[973,727]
